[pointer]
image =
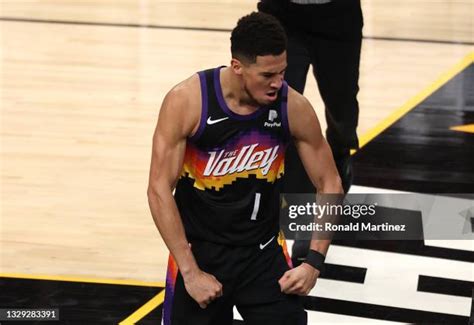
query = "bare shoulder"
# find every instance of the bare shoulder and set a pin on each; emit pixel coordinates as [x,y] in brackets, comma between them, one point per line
[184,95]
[301,115]
[182,105]
[187,88]
[297,103]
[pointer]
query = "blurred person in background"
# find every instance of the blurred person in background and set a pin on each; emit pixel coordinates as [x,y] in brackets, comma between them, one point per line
[326,34]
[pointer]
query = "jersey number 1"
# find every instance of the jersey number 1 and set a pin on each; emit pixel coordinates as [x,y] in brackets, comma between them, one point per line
[256,206]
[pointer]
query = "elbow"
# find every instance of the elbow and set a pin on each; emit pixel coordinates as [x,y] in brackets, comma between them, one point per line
[150,192]
[158,194]
[334,184]
[155,202]
[153,194]
[338,185]
[330,185]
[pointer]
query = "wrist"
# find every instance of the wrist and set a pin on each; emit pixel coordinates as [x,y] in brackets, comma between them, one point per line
[187,264]
[188,272]
[315,259]
[310,268]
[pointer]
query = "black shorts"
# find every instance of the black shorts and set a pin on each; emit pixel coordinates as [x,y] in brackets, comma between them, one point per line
[249,276]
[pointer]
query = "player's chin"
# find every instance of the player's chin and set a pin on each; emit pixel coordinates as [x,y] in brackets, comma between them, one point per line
[267,100]
[271,96]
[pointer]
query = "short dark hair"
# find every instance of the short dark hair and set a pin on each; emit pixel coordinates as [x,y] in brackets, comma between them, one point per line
[257,34]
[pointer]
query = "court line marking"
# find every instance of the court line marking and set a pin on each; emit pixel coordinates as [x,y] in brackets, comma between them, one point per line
[211,29]
[414,101]
[86,23]
[82,279]
[145,309]
[468,128]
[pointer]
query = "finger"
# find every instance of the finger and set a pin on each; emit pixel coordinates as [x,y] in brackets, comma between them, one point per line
[287,287]
[299,291]
[288,284]
[215,295]
[303,290]
[294,288]
[284,281]
[289,291]
[281,282]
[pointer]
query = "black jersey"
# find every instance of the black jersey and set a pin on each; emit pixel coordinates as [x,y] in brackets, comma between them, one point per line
[228,191]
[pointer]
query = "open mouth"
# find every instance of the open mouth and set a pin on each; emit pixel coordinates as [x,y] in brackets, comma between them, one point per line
[272,94]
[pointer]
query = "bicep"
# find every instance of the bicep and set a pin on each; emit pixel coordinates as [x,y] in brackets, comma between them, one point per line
[305,127]
[312,148]
[169,145]
[167,158]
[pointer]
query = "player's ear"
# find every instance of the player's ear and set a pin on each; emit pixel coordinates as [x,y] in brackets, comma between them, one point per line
[236,66]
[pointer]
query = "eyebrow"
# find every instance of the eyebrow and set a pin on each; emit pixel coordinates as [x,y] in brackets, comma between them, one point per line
[267,72]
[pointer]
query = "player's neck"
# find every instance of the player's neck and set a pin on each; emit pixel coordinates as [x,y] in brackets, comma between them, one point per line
[235,95]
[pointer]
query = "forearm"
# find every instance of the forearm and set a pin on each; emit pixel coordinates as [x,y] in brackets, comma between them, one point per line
[326,177]
[330,185]
[168,221]
[320,245]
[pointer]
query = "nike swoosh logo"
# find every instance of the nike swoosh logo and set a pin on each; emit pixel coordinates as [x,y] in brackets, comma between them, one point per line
[262,246]
[211,121]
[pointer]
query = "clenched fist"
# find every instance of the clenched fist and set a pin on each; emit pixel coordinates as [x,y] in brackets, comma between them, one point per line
[203,287]
[300,280]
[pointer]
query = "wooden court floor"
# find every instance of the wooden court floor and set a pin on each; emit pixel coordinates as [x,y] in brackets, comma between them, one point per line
[81,87]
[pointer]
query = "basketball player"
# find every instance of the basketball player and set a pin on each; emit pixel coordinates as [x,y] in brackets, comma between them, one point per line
[220,142]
